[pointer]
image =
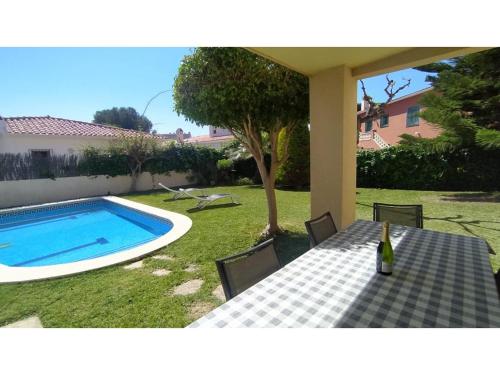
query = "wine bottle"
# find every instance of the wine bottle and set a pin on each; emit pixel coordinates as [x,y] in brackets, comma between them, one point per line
[385,251]
[380,248]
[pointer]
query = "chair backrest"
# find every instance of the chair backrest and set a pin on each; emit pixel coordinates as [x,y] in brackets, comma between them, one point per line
[321,228]
[194,196]
[167,188]
[239,272]
[497,280]
[402,214]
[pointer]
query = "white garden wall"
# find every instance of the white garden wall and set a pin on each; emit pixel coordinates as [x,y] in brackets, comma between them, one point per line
[26,192]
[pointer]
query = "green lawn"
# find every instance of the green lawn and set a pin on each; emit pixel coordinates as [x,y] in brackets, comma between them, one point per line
[114,297]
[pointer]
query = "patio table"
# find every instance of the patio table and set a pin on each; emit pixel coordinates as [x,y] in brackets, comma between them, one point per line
[439,280]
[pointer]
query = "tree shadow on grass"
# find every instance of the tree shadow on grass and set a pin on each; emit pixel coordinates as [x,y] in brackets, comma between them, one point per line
[467,225]
[177,199]
[364,204]
[491,197]
[252,186]
[291,245]
[212,207]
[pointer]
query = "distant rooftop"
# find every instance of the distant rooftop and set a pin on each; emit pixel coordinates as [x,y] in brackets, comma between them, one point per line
[47,125]
[209,139]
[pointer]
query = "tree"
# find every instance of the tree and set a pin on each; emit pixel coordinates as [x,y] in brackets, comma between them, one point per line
[465,102]
[254,98]
[126,118]
[138,149]
[373,110]
[296,170]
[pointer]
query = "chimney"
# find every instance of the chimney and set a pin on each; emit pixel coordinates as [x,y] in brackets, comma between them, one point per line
[365,105]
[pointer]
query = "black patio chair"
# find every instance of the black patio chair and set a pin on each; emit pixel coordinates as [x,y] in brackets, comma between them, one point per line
[410,215]
[239,272]
[321,228]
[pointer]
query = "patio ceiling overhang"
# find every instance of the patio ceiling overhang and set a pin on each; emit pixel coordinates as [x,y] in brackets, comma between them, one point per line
[363,61]
[333,73]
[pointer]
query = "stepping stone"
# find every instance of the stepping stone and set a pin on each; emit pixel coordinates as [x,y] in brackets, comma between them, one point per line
[198,309]
[161,272]
[163,257]
[191,268]
[133,266]
[31,322]
[189,287]
[219,293]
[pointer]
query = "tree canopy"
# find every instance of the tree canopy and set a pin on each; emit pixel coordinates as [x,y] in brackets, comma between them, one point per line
[465,102]
[123,117]
[251,96]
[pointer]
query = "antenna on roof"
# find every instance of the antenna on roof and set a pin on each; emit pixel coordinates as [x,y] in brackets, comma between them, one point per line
[153,98]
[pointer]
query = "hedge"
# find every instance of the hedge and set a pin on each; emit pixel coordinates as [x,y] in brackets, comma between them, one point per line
[400,167]
[396,167]
[200,161]
[418,169]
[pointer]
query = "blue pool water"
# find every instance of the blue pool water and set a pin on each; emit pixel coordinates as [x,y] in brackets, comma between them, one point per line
[74,232]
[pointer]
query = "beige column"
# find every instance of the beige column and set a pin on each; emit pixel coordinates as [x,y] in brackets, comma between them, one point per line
[333,144]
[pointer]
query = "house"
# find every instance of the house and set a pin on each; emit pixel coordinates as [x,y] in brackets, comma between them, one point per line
[216,138]
[401,117]
[178,136]
[45,136]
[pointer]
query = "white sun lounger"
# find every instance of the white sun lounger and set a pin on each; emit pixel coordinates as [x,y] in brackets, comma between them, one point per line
[206,200]
[181,192]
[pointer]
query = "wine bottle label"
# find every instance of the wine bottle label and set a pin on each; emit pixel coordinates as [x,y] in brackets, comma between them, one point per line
[386,267]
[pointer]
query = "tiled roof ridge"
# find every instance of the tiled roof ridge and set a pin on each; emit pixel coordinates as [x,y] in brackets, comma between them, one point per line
[77,121]
[47,125]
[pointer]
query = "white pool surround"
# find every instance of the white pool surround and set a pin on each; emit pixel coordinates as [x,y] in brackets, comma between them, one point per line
[181,225]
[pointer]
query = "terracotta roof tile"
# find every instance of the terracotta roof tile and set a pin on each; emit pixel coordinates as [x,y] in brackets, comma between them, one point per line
[57,126]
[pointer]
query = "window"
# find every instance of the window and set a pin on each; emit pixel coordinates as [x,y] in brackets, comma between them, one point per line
[412,116]
[384,121]
[368,125]
[41,163]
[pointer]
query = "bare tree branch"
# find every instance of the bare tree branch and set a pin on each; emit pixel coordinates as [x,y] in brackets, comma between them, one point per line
[373,109]
[389,89]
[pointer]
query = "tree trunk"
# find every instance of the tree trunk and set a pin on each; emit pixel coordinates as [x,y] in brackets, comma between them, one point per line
[272,227]
[134,175]
[253,142]
[268,182]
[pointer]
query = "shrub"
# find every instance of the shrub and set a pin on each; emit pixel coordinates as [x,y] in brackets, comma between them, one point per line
[95,161]
[224,164]
[295,171]
[244,181]
[200,161]
[244,164]
[418,168]
[225,171]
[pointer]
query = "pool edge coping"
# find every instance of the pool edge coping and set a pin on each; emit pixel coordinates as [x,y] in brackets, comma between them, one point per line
[181,225]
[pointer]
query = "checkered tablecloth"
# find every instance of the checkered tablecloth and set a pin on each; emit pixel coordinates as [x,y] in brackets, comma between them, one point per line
[439,280]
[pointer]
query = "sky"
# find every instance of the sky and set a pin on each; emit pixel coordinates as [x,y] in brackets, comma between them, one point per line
[74,83]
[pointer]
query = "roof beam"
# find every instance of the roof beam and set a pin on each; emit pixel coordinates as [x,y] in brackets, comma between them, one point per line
[410,59]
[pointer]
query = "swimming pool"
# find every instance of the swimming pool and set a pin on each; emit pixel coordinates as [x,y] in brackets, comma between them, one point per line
[68,237]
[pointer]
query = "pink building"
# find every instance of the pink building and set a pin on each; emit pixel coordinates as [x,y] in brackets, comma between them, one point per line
[401,118]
